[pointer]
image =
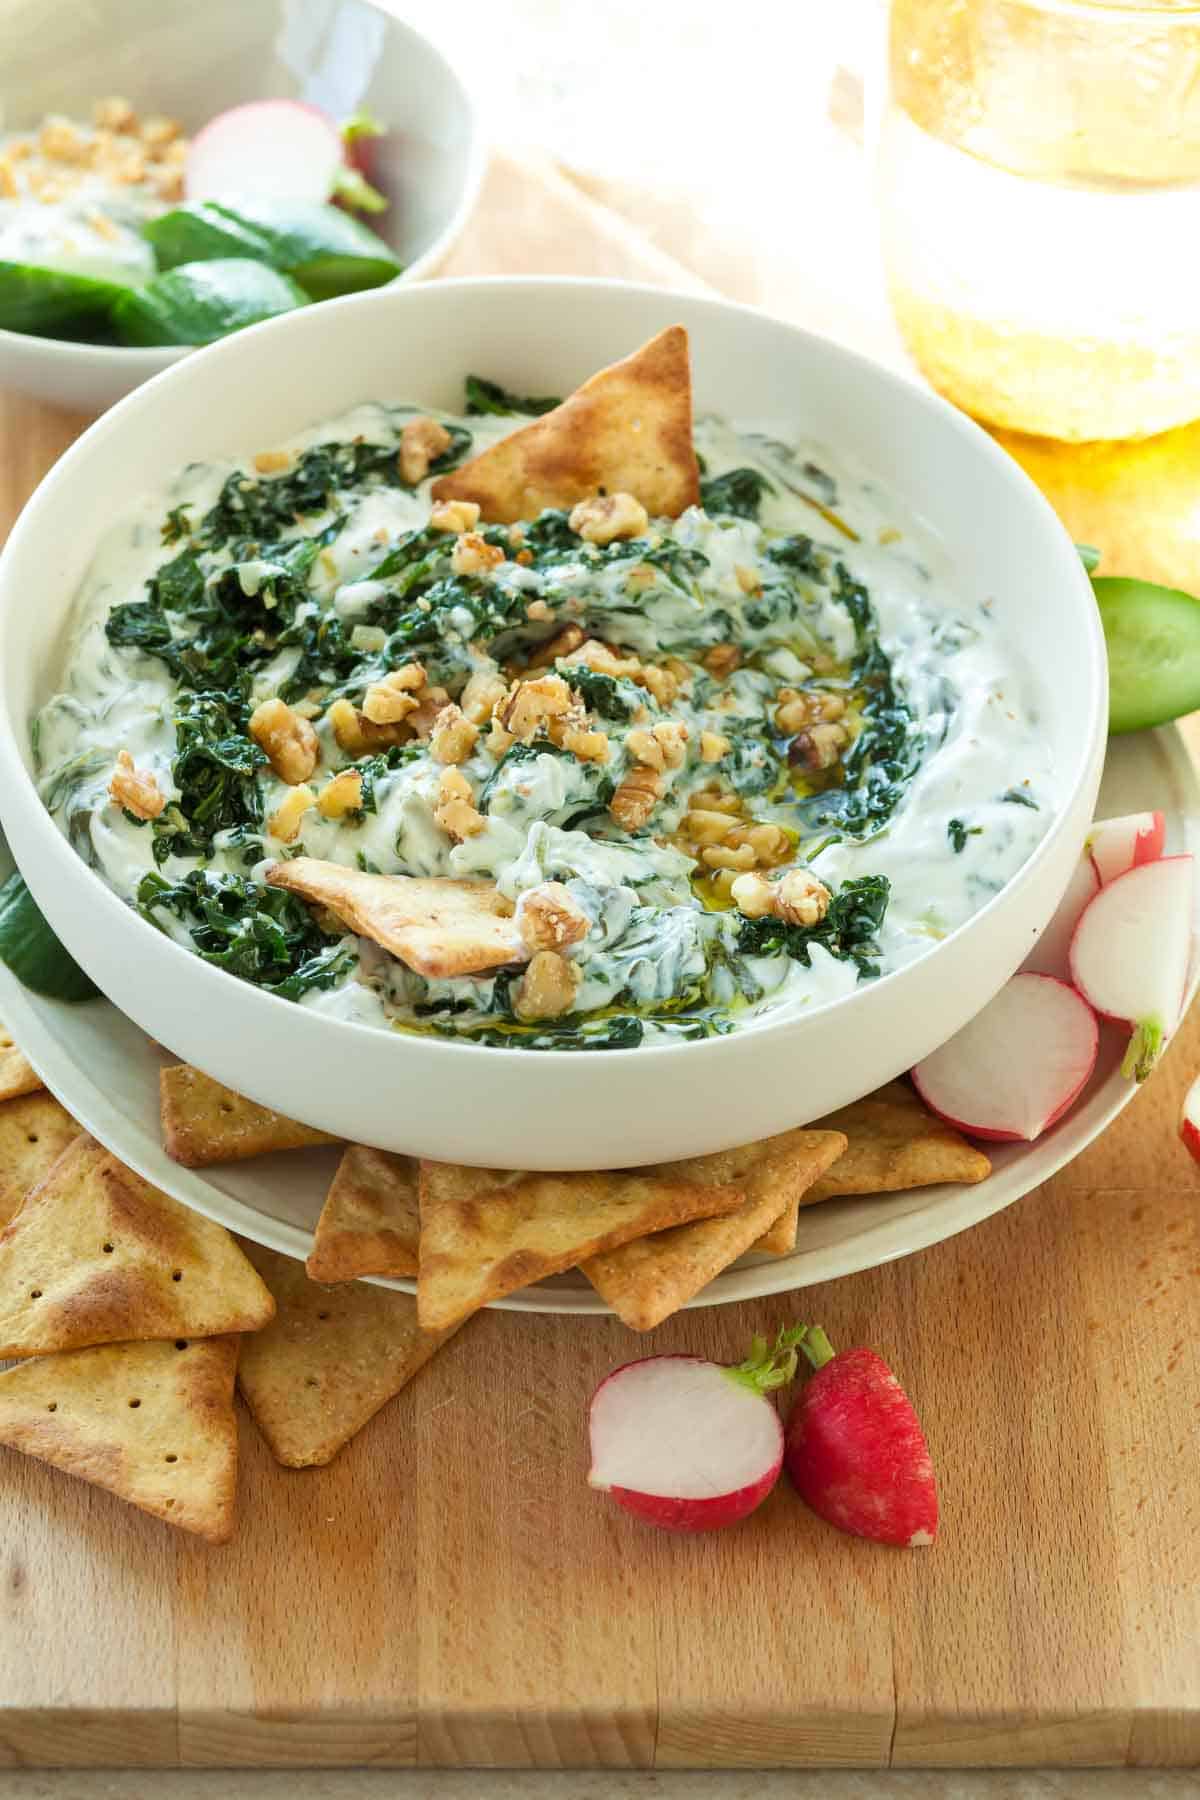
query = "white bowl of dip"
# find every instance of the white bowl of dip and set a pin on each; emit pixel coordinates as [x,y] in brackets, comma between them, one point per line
[165,56]
[1001,543]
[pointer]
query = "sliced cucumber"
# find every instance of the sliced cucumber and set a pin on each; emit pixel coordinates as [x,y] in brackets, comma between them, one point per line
[31,950]
[49,302]
[201,301]
[1153,637]
[321,247]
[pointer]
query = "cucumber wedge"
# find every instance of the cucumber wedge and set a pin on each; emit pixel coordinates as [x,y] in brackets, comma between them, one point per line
[49,302]
[202,301]
[321,247]
[31,950]
[1153,638]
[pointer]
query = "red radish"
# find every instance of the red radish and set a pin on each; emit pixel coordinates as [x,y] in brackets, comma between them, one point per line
[1018,1065]
[1189,1124]
[352,185]
[1051,955]
[855,1449]
[1131,951]
[1120,844]
[279,149]
[690,1444]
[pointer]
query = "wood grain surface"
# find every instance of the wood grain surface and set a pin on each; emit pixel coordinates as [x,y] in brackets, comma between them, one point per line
[449,1591]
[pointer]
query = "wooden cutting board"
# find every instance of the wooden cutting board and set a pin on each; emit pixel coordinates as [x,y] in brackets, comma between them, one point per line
[450,1592]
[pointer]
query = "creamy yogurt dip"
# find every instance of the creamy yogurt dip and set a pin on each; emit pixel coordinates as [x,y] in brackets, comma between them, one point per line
[821,701]
[74,196]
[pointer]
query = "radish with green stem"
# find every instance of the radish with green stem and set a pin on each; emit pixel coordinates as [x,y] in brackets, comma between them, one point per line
[855,1451]
[1131,951]
[689,1444]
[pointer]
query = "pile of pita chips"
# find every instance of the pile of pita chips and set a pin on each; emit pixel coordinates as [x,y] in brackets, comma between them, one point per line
[95,1255]
[371,1222]
[328,1361]
[205,1123]
[646,1281]
[152,1422]
[486,1232]
[626,430]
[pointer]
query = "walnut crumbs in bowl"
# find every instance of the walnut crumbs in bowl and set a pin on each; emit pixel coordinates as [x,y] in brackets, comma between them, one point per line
[465,739]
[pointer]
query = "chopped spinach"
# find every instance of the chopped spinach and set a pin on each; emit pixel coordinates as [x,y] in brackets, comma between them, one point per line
[489,397]
[214,769]
[176,525]
[739,493]
[1020,797]
[604,695]
[799,554]
[261,934]
[850,929]
[958,833]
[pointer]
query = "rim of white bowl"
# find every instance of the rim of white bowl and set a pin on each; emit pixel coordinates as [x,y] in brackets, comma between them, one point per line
[122,358]
[909,393]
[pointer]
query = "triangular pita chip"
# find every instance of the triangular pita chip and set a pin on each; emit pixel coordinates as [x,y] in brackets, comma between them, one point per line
[34,1132]
[895,1143]
[17,1073]
[486,1232]
[328,1361]
[153,1423]
[779,1239]
[203,1122]
[97,1256]
[371,1222]
[438,926]
[645,1282]
[626,430]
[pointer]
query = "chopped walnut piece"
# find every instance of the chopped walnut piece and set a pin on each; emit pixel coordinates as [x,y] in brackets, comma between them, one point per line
[548,987]
[114,113]
[272,462]
[456,811]
[661,746]
[539,612]
[284,822]
[455,515]
[484,691]
[796,709]
[549,919]
[820,746]
[290,743]
[607,517]
[560,645]
[340,796]
[136,789]
[582,742]
[453,736]
[704,827]
[798,899]
[158,131]
[636,798]
[392,699]
[60,141]
[8,180]
[604,660]
[530,705]
[473,555]
[422,441]
[728,856]
[356,735]
[167,183]
[747,579]
[713,746]
[722,660]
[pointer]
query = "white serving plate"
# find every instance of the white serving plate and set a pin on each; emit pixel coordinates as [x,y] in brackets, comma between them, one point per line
[105,1071]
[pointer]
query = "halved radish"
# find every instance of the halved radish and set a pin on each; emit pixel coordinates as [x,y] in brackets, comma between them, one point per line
[1130,954]
[1119,844]
[689,1444]
[1018,1065]
[1051,955]
[284,149]
[1189,1124]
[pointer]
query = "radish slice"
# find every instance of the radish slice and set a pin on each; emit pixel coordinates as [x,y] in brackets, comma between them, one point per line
[1189,1124]
[1120,844]
[1018,1065]
[689,1444]
[278,149]
[1130,954]
[1051,955]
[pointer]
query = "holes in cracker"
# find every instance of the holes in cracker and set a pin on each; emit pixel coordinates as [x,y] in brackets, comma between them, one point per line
[107,1249]
[31,1137]
[181,1343]
[226,1106]
[322,1315]
[311,1381]
[35,1293]
[53,1406]
[170,1457]
[135,1403]
[176,1274]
